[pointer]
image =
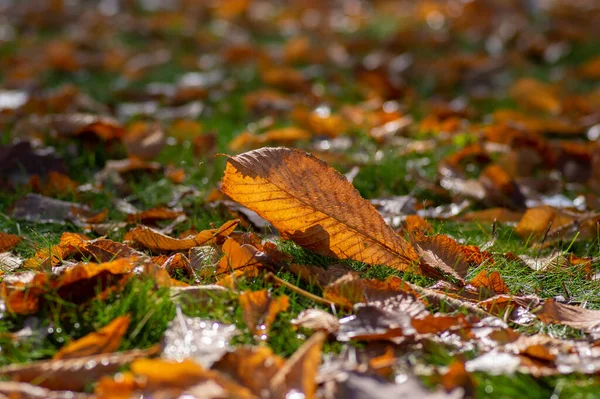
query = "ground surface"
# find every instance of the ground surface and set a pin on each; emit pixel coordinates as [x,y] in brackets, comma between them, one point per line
[469,121]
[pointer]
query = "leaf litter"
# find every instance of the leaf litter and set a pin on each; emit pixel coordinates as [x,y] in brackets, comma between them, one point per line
[364,272]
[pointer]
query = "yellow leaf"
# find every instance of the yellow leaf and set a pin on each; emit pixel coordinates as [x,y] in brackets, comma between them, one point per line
[314,205]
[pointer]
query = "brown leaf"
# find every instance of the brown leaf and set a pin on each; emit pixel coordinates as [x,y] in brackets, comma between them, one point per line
[105,340]
[152,239]
[536,221]
[317,319]
[457,376]
[299,373]
[154,214]
[174,378]
[535,95]
[442,255]
[72,374]
[501,215]
[573,316]
[22,390]
[144,140]
[40,209]
[282,136]
[260,310]
[252,367]
[8,241]
[491,281]
[121,387]
[22,292]
[20,160]
[309,202]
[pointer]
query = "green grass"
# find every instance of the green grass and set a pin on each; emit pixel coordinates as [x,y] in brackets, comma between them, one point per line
[60,321]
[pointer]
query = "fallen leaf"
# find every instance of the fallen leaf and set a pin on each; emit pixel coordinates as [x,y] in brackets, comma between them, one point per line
[30,391]
[174,378]
[298,374]
[72,374]
[105,340]
[238,259]
[156,241]
[8,241]
[442,255]
[573,316]
[252,367]
[307,201]
[536,221]
[260,310]
[144,140]
[491,281]
[22,157]
[154,214]
[535,95]
[22,292]
[40,209]
[317,319]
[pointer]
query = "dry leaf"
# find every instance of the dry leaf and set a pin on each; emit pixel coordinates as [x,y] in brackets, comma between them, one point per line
[299,373]
[144,140]
[573,316]
[7,241]
[309,203]
[238,259]
[174,378]
[72,374]
[252,367]
[491,281]
[22,390]
[260,310]
[317,319]
[22,292]
[536,221]
[156,241]
[40,209]
[442,255]
[532,94]
[105,340]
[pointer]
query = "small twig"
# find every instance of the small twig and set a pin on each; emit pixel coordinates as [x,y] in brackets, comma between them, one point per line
[270,276]
[566,290]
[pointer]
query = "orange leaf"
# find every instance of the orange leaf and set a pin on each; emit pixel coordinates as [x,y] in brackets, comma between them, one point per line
[535,221]
[69,243]
[251,366]
[491,281]
[154,240]
[7,241]
[105,340]
[312,204]
[299,373]
[260,310]
[238,258]
[535,95]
